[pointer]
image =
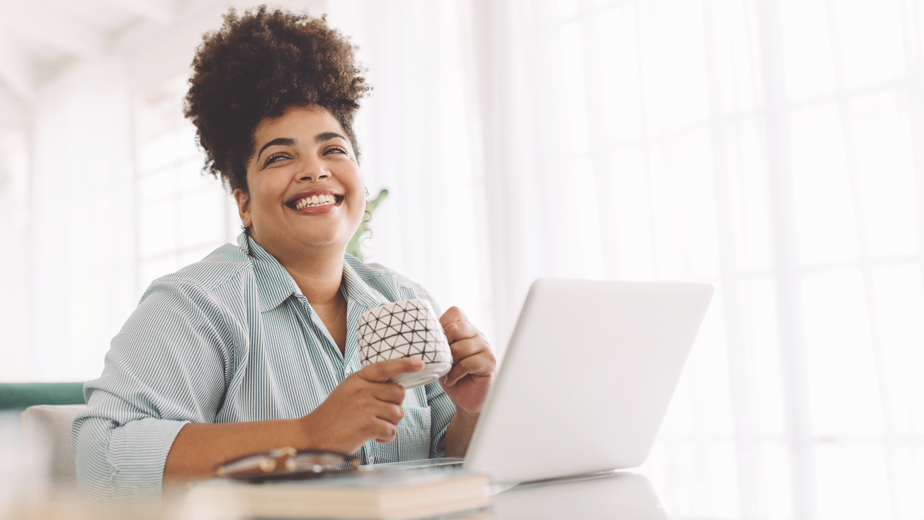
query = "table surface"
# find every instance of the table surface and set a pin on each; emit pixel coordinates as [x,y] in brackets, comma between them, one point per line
[616,495]
[611,495]
[620,495]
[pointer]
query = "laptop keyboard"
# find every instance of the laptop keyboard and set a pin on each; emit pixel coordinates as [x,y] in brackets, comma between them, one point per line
[447,462]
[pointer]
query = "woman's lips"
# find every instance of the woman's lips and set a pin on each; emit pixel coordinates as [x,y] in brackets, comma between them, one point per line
[315,200]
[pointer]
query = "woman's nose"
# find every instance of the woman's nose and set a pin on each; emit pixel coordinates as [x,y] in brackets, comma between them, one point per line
[315,174]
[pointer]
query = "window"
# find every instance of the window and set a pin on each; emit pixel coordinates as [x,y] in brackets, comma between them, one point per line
[183,213]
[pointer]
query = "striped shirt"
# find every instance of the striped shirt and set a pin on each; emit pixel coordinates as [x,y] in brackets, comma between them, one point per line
[228,339]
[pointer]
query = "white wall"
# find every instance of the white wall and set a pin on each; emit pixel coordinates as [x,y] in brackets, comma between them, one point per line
[81,220]
[13,113]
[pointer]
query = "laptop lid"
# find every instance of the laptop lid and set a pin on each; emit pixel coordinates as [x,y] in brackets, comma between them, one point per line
[587,377]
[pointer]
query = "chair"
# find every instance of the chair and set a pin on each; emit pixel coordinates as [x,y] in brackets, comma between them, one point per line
[47,412]
[46,432]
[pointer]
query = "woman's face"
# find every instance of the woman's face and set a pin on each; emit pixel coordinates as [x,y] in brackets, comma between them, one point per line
[306,190]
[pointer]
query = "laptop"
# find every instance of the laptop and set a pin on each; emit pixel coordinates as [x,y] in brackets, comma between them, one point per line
[586,379]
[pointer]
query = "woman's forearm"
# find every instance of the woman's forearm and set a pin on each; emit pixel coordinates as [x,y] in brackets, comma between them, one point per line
[200,446]
[364,406]
[459,433]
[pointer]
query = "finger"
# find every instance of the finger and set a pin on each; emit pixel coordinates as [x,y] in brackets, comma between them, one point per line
[385,432]
[457,330]
[391,413]
[385,370]
[467,347]
[477,365]
[389,392]
[452,314]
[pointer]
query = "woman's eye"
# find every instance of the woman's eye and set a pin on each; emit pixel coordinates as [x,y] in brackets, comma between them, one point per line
[335,149]
[273,158]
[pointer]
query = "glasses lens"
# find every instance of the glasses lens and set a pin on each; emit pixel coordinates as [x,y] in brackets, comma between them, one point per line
[275,465]
[245,464]
[310,460]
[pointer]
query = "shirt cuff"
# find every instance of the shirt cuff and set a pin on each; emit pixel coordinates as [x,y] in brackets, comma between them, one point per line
[137,454]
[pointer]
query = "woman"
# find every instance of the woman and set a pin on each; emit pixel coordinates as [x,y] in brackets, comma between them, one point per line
[254,348]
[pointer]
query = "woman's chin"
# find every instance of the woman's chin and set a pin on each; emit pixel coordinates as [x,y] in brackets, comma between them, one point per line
[302,244]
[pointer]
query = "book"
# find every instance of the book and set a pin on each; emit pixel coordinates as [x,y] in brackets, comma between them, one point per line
[413,493]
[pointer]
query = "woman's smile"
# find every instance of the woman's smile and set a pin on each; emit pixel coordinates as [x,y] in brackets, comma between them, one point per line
[315,201]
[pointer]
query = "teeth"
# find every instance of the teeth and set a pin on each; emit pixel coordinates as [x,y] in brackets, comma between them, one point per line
[315,200]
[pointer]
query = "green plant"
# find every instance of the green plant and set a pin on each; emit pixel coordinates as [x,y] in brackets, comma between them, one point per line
[354,247]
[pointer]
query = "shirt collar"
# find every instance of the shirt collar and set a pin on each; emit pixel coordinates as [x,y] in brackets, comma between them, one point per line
[363,285]
[360,284]
[274,283]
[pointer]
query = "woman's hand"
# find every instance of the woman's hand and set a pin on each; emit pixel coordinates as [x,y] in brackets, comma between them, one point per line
[473,363]
[363,406]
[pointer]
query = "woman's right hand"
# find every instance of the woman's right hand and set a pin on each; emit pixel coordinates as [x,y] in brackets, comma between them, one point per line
[363,406]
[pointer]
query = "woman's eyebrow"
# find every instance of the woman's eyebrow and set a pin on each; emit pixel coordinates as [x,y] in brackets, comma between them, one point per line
[327,136]
[283,141]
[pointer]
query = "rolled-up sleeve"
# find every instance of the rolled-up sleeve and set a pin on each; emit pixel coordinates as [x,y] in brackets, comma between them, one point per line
[169,365]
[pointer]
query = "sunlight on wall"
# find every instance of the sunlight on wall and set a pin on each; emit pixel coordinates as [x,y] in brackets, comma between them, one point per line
[14,262]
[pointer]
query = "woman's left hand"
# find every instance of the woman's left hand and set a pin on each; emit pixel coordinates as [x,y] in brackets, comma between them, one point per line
[473,363]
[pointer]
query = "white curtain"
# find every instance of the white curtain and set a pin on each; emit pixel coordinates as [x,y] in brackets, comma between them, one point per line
[772,148]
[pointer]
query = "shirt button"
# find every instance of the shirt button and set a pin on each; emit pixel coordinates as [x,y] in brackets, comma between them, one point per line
[371,460]
[348,371]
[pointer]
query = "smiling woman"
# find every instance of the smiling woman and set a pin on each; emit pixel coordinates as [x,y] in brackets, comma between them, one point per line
[305,158]
[255,347]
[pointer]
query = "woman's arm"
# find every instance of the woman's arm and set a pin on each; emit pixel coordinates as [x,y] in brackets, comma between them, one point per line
[468,382]
[364,406]
[459,433]
[165,368]
[200,446]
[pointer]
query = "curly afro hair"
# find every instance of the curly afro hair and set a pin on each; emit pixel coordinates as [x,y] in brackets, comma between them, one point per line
[255,67]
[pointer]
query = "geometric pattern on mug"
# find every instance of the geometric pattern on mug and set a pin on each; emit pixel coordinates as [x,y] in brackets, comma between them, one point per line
[407,328]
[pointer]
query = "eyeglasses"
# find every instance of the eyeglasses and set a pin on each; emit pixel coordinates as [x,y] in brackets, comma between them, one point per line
[286,464]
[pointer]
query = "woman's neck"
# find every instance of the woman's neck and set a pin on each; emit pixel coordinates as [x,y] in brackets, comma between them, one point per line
[319,283]
[317,272]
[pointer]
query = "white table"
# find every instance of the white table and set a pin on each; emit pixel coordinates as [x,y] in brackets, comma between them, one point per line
[612,495]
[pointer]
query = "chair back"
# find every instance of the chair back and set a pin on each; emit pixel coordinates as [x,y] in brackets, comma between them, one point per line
[19,396]
[46,432]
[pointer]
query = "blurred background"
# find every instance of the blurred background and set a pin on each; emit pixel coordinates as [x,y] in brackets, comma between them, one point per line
[773,148]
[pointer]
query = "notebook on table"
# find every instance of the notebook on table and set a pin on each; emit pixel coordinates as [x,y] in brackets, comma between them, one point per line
[357,494]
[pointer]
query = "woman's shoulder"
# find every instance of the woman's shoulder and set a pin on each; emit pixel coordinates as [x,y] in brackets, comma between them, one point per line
[219,267]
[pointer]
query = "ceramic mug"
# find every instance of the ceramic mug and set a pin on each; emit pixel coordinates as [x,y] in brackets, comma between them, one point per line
[407,328]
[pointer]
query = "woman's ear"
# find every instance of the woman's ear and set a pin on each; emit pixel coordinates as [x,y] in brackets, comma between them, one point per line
[243,207]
